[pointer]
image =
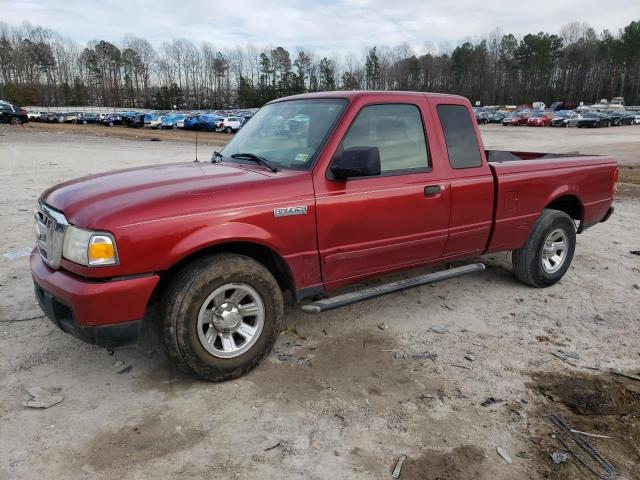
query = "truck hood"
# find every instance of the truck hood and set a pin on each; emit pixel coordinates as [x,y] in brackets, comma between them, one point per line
[110,200]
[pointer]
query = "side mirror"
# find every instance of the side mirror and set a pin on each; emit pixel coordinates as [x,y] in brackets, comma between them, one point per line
[356,162]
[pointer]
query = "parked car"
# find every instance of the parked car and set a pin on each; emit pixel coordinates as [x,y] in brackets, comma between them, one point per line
[565,119]
[136,121]
[72,117]
[127,117]
[203,121]
[559,106]
[10,113]
[171,121]
[616,118]
[50,117]
[90,118]
[515,119]
[33,116]
[594,120]
[230,124]
[629,118]
[156,122]
[496,117]
[217,243]
[481,116]
[540,120]
[112,119]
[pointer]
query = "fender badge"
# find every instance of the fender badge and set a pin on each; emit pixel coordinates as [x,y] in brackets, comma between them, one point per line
[287,211]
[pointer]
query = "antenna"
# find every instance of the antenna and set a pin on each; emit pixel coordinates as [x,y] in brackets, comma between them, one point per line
[196,145]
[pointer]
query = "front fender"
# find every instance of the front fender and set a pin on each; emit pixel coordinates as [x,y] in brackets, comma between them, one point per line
[213,235]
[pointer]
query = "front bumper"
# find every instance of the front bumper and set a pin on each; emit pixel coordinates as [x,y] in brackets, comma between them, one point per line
[107,313]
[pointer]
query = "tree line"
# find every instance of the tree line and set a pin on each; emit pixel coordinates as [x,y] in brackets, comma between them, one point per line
[41,67]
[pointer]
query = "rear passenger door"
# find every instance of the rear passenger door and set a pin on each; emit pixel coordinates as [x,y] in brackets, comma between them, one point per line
[370,225]
[471,180]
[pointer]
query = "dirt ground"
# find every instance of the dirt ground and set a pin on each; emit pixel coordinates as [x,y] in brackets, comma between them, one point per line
[457,370]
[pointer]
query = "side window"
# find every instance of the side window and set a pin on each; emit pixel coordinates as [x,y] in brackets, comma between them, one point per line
[460,136]
[397,131]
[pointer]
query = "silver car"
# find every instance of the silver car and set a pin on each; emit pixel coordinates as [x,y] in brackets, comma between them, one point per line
[565,119]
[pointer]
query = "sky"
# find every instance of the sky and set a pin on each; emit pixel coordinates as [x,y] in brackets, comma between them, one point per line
[322,25]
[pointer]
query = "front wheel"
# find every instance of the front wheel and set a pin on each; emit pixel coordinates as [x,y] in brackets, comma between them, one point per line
[547,254]
[228,130]
[222,315]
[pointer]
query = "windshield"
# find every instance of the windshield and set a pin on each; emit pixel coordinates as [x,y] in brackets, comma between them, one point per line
[287,134]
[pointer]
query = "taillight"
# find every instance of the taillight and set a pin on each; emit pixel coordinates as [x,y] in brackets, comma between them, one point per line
[616,176]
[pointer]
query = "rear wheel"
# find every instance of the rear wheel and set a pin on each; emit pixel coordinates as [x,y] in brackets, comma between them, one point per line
[15,121]
[547,254]
[222,315]
[228,130]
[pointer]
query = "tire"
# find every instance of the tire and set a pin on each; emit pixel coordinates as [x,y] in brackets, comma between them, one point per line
[529,261]
[111,124]
[190,293]
[228,130]
[15,121]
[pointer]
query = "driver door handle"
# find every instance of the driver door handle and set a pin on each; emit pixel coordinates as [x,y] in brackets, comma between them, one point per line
[432,190]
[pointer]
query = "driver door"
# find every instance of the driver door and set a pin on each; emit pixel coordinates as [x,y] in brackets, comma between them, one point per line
[398,219]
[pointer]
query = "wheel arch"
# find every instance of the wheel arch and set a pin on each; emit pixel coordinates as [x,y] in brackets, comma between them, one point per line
[570,204]
[259,252]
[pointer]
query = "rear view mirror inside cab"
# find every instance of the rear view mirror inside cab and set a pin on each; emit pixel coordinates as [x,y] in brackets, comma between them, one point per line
[356,162]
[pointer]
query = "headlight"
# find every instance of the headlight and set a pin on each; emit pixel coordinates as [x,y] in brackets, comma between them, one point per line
[89,248]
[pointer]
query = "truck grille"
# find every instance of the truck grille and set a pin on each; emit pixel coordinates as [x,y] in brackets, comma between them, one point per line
[50,228]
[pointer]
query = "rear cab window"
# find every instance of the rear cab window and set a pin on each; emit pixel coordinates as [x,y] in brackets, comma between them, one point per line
[460,136]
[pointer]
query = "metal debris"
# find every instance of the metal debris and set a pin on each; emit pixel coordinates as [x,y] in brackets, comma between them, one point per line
[609,472]
[634,252]
[425,356]
[273,446]
[383,326]
[471,357]
[396,470]
[594,435]
[439,329]
[491,401]
[559,457]
[504,454]
[615,371]
[41,398]
[562,356]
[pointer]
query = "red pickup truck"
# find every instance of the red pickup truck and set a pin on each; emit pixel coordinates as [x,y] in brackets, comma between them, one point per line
[316,192]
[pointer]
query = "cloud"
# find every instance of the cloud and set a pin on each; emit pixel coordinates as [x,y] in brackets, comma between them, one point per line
[324,25]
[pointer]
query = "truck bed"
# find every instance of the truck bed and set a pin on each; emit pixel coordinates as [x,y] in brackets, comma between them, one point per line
[525,183]
[499,156]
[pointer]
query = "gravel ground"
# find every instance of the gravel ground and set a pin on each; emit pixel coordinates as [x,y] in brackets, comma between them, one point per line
[344,394]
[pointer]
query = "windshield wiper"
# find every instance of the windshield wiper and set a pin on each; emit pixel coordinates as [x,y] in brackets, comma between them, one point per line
[255,158]
[216,155]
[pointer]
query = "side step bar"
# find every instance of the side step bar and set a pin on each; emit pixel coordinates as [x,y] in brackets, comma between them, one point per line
[378,291]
